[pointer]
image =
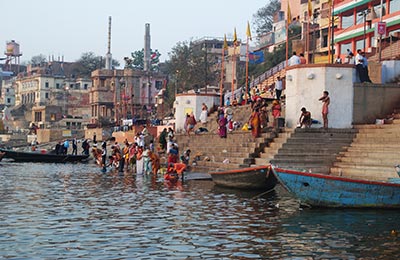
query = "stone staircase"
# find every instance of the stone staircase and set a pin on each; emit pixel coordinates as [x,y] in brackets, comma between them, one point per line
[268,152]
[238,150]
[313,150]
[373,154]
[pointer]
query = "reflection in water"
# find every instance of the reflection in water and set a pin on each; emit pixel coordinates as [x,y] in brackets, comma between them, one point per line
[75,211]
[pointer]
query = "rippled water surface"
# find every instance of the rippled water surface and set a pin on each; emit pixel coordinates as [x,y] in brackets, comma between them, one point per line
[52,211]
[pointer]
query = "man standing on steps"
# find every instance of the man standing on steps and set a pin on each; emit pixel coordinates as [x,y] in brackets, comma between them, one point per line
[278,88]
[326,101]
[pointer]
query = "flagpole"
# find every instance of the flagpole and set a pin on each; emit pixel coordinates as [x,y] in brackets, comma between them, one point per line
[308,31]
[329,34]
[288,21]
[287,43]
[221,87]
[233,63]
[247,66]
[233,70]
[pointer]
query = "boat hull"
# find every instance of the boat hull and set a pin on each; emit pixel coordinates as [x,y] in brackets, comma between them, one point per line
[245,178]
[42,157]
[318,190]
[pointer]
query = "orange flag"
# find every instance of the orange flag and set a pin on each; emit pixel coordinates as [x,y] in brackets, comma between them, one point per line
[309,9]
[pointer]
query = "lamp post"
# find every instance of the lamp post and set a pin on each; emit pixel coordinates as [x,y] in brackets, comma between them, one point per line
[364,14]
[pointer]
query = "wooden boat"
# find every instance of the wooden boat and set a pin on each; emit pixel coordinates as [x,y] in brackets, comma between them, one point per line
[320,190]
[259,177]
[42,156]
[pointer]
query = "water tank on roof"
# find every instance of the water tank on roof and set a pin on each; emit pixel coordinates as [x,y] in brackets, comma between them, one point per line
[12,49]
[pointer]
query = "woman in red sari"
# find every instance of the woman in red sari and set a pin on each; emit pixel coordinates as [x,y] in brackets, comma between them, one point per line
[254,122]
[222,121]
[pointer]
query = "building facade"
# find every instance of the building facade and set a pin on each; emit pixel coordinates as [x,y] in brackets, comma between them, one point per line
[51,94]
[118,95]
[358,23]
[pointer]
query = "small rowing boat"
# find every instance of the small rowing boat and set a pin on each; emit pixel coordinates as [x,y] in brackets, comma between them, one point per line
[42,156]
[322,190]
[259,177]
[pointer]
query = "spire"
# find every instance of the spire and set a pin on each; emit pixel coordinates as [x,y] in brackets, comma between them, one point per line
[108,55]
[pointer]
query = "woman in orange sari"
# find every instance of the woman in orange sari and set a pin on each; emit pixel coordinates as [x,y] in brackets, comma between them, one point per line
[254,122]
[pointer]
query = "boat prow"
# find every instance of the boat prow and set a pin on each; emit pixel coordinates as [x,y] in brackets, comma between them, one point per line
[321,190]
[259,177]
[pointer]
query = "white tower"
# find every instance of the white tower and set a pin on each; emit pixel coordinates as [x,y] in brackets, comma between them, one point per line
[147,47]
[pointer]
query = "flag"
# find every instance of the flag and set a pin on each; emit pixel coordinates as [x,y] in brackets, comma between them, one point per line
[234,38]
[309,9]
[289,14]
[225,43]
[256,57]
[248,31]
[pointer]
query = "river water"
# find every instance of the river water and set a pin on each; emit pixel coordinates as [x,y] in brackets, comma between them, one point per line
[73,211]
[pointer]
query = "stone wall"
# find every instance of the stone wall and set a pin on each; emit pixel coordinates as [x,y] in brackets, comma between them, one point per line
[372,101]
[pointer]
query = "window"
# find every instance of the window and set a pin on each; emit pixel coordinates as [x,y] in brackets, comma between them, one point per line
[38,116]
[46,95]
[46,85]
[360,44]
[344,47]
[85,86]
[347,21]
[158,85]
[71,86]
[394,6]
[52,117]
[7,90]
[57,85]
[8,100]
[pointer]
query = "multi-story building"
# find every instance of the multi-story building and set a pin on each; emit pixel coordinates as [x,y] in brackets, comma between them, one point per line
[123,94]
[8,93]
[358,23]
[50,94]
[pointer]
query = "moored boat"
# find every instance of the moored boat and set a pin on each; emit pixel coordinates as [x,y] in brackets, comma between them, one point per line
[321,190]
[2,155]
[42,156]
[259,177]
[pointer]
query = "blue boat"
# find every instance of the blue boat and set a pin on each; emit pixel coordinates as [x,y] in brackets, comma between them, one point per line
[320,190]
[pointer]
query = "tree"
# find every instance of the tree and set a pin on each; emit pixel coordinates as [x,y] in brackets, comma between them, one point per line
[37,60]
[187,64]
[89,62]
[264,17]
[137,60]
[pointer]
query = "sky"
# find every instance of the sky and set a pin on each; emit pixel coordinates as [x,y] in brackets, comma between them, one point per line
[72,27]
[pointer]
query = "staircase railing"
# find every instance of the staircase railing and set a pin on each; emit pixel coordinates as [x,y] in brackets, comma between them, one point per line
[257,80]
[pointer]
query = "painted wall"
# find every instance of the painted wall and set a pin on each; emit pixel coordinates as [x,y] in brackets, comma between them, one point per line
[373,101]
[186,103]
[390,70]
[305,84]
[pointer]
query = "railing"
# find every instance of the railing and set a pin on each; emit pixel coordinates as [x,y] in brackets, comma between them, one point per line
[268,73]
[259,79]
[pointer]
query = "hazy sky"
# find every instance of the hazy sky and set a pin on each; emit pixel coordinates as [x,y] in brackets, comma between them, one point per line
[72,27]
